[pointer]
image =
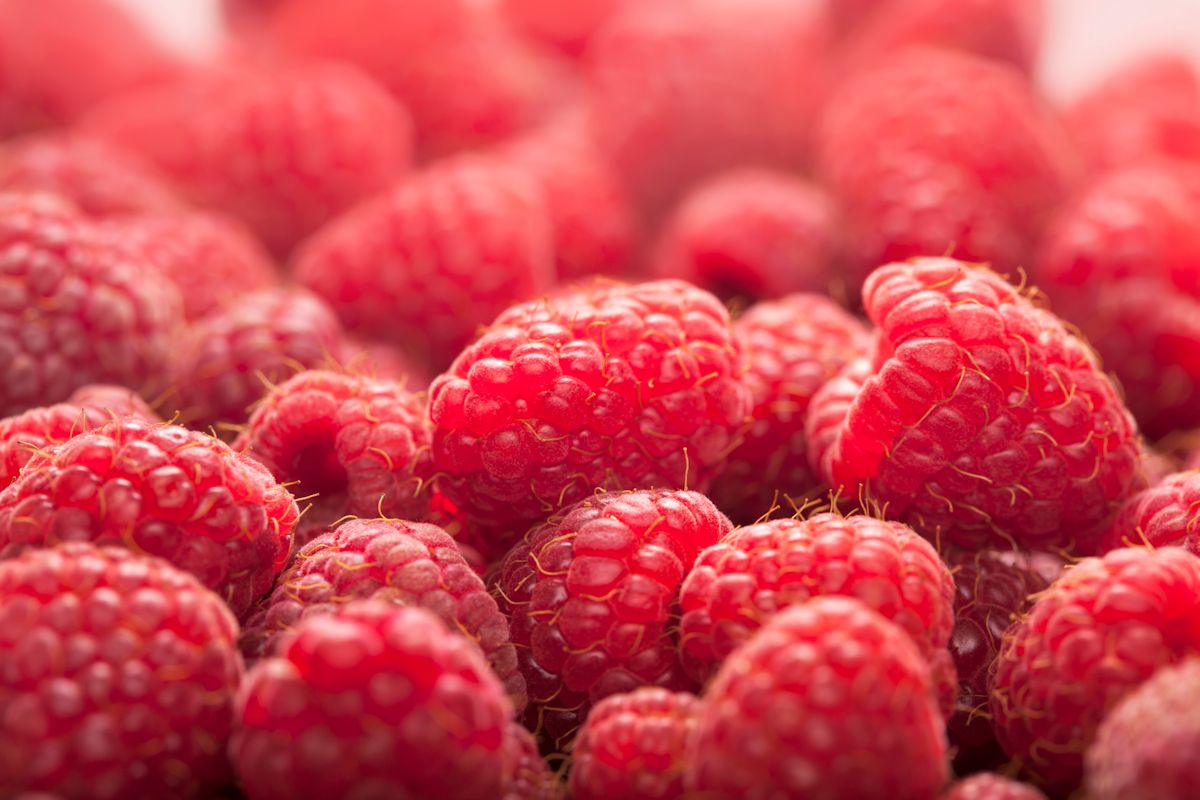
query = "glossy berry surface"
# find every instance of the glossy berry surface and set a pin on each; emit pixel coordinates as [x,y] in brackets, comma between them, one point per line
[1163,515]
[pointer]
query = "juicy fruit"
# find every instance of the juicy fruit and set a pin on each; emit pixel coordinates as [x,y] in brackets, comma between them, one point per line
[1163,515]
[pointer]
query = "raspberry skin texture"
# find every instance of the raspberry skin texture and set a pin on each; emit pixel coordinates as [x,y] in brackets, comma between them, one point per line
[1146,746]
[161,490]
[828,701]
[372,700]
[117,677]
[604,386]
[1094,636]
[633,744]
[532,778]
[591,596]
[429,262]
[990,786]
[1162,515]
[409,563]
[792,347]
[978,419]
[354,445]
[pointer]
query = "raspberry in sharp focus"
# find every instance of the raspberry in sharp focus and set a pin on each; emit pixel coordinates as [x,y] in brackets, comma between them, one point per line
[990,786]
[1095,635]
[605,386]
[373,698]
[532,778]
[592,595]
[1163,515]
[828,700]
[978,418]
[162,490]
[117,677]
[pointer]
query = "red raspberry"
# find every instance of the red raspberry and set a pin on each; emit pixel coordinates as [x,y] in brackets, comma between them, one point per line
[751,234]
[979,418]
[380,360]
[1096,634]
[566,26]
[1163,515]
[1146,747]
[74,309]
[606,386]
[532,779]
[161,490]
[374,700]
[435,258]
[358,445]
[230,359]
[829,699]
[591,594]
[990,786]
[410,563]
[932,152]
[632,746]
[117,677]
[792,346]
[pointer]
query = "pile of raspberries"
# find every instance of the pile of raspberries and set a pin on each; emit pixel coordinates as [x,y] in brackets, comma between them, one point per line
[604,399]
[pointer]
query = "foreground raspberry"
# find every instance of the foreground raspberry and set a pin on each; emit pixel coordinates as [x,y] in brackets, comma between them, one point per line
[117,677]
[607,386]
[161,490]
[828,700]
[532,778]
[1164,515]
[409,563]
[1098,633]
[632,746]
[989,786]
[373,696]
[351,444]
[978,418]
[591,595]
[1146,746]
[792,346]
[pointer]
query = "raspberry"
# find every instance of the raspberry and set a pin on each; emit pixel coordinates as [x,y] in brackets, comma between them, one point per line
[751,234]
[161,490]
[632,746]
[989,786]
[566,26]
[591,595]
[1146,746]
[429,262]
[932,152]
[74,310]
[979,418]
[372,700]
[1163,515]
[1095,635]
[380,360]
[606,386]
[229,360]
[829,700]
[410,563]
[532,779]
[792,346]
[117,677]
[359,445]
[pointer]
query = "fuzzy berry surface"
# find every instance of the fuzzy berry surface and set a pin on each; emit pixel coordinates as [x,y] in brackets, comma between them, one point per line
[1089,640]
[602,386]
[591,596]
[161,490]
[828,700]
[1163,515]
[990,786]
[377,699]
[633,746]
[117,677]
[978,419]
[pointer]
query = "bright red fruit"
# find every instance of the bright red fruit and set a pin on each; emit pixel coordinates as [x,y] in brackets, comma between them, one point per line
[1163,515]
[532,778]
[567,26]
[990,786]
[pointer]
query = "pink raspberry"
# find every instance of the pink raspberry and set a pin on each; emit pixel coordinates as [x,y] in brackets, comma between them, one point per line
[978,418]
[377,359]
[990,786]
[532,778]
[566,26]
[1162,515]
[161,490]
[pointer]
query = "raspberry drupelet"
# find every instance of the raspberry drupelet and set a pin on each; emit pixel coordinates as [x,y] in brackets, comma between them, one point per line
[532,778]
[990,786]
[1163,515]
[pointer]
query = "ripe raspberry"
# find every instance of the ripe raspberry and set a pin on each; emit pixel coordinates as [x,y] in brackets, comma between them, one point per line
[932,152]
[231,358]
[566,26]
[606,386]
[374,700]
[1146,746]
[1163,515]
[429,262]
[74,310]
[117,676]
[990,786]
[380,360]
[591,595]
[531,778]
[359,445]
[632,746]
[792,347]
[161,490]
[979,418]
[1096,634]
[409,563]
[828,700]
